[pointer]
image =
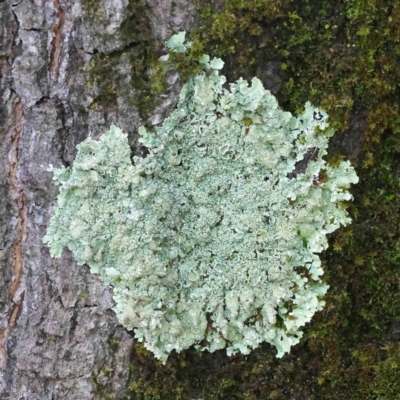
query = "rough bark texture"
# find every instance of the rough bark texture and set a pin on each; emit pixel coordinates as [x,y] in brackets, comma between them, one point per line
[59,338]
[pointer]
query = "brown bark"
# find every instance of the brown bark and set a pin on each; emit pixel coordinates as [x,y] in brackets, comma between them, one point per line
[59,338]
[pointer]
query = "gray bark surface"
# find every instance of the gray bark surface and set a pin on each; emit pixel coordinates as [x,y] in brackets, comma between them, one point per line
[59,338]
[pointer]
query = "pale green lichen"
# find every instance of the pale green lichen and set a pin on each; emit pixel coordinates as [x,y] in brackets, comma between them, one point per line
[177,43]
[211,239]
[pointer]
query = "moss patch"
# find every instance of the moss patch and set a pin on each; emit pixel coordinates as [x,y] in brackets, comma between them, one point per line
[340,55]
[141,53]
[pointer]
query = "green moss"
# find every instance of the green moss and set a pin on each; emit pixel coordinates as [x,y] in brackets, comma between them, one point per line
[113,344]
[342,56]
[363,304]
[148,78]
[187,63]
[83,296]
[100,67]
[92,8]
[148,74]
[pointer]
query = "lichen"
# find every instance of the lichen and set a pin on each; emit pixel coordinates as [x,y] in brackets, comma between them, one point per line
[212,238]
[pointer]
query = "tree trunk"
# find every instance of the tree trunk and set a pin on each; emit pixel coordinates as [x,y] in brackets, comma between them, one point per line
[67,72]
[71,68]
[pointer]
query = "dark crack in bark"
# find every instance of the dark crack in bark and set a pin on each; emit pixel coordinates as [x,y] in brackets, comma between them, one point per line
[56,42]
[16,192]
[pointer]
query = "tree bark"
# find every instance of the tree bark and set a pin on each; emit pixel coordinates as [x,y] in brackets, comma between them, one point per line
[59,338]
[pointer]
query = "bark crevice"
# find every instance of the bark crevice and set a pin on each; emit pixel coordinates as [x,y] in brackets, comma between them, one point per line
[16,192]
